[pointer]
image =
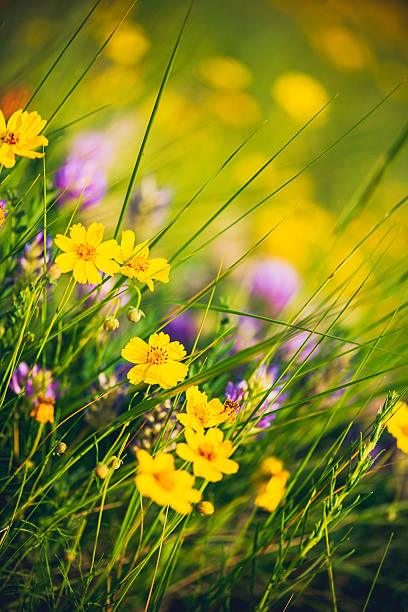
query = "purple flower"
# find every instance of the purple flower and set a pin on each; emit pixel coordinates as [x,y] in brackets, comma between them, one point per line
[183,329]
[80,178]
[39,382]
[93,146]
[237,392]
[274,280]
[246,333]
[3,211]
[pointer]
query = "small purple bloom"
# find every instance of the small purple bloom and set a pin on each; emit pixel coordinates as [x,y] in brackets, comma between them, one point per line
[274,280]
[310,347]
[39,382]
[32,258]
[266,377]
[80,178]
[183,329]
[237,392]
[3,204]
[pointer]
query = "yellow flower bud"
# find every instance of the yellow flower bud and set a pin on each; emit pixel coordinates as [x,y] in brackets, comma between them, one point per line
[134,314]
[110,324]
[101,471]
[205,507]
[60,448]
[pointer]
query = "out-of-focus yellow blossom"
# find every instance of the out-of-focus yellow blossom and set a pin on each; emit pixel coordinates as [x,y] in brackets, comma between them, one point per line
[85,253]
[270,483]
[157,363]
[129,44]
[123,83]
[209,453]
[43,410]
[236,108]
[135,262]
[20,136]
[179,115]
[158,479]
[397,425]
[300,96]
[343,48]
[202,413]
[205,507]
[226,73]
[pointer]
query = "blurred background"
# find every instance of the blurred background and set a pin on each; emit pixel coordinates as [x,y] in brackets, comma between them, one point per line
[264,66]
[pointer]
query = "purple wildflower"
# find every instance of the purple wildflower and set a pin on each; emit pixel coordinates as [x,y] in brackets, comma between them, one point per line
[3,211]
[32,258]
[183,329]
[274,280]
[264,378]
[237,392]
[79,178]
[39,382]
[310,347]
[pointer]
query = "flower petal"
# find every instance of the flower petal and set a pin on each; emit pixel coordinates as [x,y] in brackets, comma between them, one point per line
[135,351]
[94,234]
[66,261]
[79,272]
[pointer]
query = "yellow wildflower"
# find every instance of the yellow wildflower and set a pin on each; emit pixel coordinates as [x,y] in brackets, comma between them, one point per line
[157,363]
[209,453]
[205,507]
[397,425]
[135,262]
[271,483]
[85,253]
[202,413]
[20,136]
[43,410]
[158,479]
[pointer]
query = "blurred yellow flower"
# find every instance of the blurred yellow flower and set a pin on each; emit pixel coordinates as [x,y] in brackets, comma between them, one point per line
[43,410]
[300,96]
[270,483]
[129,44]
[85,253]
[20,136]
[397,425]
[135,262]
[203,413]
[157,363]
[235,108]
[209,453]
[205,507]
[226,73]
[158,479]
[343,48]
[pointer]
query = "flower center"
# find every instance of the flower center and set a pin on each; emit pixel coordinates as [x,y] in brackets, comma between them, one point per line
[11,139]
[231,409]
[139,264]
[156,356]
[207,451]
[164,479]
[86,251]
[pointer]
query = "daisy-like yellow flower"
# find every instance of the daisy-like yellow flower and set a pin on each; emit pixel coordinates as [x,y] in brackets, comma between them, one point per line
[43,410]
[209,453]
[20,136]
[157,362]
[135,262]
[203,413]
[85,253]
[270,483]
[158,479]
[397,425]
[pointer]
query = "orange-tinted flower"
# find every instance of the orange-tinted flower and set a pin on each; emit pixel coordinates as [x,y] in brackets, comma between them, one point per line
[270,483]
[20,136]
[43,410]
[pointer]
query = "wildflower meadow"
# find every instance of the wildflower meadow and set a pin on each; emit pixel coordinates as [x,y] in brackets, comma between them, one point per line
[203,289]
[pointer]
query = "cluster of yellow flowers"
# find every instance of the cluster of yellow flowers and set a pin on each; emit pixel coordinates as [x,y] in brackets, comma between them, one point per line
[85,255]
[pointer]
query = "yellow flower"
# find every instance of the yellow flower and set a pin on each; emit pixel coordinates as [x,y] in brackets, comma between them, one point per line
[205,507]
[136,263]
[225,73]
[157,363]
[43,410]
[300,96]
[158,479]
[271,484]
[85,253]
[20,136]
[203,413]
[209,453]
[397,425]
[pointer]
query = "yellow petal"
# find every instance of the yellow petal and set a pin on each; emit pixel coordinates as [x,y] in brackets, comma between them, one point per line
[135,351]
[94,234]
[66,261]
[106,265]
[92,273]
[137,374]
[127,244]
[78,233]
[109,249]
[65,244]
[79,272]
